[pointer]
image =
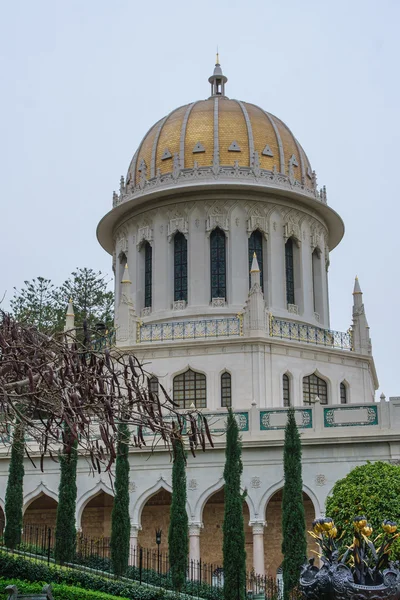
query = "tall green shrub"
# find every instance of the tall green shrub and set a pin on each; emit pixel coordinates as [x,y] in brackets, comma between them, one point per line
[178,539]
[372,490]
[14,492]
[234,552]
[64,550]
[120,520]
[294,544]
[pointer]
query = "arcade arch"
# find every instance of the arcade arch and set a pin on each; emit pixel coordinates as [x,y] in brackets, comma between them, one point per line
[96,516]
[273,532]
[155,514]
[41,511]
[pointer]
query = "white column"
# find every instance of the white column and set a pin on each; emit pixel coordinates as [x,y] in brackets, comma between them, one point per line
[133,542]
[194,550]
[258,547]
[276,264]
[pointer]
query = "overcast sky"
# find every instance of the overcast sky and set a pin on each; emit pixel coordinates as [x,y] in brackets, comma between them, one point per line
[83,80]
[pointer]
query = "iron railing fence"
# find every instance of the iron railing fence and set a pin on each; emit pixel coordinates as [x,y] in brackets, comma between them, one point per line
[146,566]
[190,330]
[309,334]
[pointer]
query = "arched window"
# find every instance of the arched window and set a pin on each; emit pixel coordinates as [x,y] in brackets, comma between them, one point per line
[190,388]
[218,263]
[226,390]
[314,386]
[286,390]
[256,245]
[289,266]
[148,274]
[153,384]
[343,393]
[180,267]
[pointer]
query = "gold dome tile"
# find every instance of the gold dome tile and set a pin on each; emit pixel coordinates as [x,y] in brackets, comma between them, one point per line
[232,128]
[169,138]
[200,128]
[263,135]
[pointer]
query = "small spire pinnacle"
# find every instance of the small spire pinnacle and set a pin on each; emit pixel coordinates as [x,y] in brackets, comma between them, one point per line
[217,79]
[254,265]
[70,309]
[126,278]
[357,288]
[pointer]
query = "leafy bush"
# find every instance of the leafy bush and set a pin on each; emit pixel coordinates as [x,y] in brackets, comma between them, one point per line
[371,490]
[25,569]
[61,591]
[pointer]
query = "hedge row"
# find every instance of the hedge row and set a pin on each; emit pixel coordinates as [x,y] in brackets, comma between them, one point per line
[23,569]
[61,591]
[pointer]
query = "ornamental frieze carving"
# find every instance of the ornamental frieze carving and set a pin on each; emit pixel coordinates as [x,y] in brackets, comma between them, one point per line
[177,224]
[145,234]
[291,229]
[257,222]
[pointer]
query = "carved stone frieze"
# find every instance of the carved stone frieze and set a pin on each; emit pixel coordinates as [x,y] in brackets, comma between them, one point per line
[179,305]
[218,302]
[177,224]
[145,234]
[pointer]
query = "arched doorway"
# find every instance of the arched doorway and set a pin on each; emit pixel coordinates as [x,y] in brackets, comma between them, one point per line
[273,532]
[211,538]
[155,515]
[96,516]
[41,512]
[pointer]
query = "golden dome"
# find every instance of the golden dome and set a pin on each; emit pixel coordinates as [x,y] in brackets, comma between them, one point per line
[232,133]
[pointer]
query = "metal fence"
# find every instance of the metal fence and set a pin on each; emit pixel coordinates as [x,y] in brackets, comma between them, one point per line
[146,566]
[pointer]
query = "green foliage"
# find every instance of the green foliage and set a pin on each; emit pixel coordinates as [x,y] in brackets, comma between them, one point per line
[65,525]
[373,490]
[120,520]
[234,552]
[35,304]
[91,298]
[60,591]
[14,493]
[178,540]
[20,568]
[294,545]
[41,304]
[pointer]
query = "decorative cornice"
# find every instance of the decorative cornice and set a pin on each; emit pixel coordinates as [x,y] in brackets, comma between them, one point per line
[271,179]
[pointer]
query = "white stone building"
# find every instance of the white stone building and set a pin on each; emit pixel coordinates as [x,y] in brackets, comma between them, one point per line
[221,245]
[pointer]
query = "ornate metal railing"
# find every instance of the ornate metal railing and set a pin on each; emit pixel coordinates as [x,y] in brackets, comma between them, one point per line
[300,332]
[105,341]
[190,330]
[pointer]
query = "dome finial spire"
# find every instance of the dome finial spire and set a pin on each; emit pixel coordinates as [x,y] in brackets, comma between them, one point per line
[217,79]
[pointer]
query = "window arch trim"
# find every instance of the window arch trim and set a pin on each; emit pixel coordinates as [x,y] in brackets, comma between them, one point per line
[344,392]
[218,263]
[287,389]
[190,386]
[313,384]
[226,389]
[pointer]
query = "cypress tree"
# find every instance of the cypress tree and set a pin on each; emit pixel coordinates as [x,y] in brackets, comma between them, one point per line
[178,539]
[64,550]
[14,492]
[294,545]
[120,519]
[233,527]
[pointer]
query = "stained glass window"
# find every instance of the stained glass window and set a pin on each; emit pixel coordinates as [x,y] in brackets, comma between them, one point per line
[256,245]
[343,393]
[289,271]
[180,267]
[218,264]
[148,274]
[314,386]
[226,390]
[286,390]
[190,388]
